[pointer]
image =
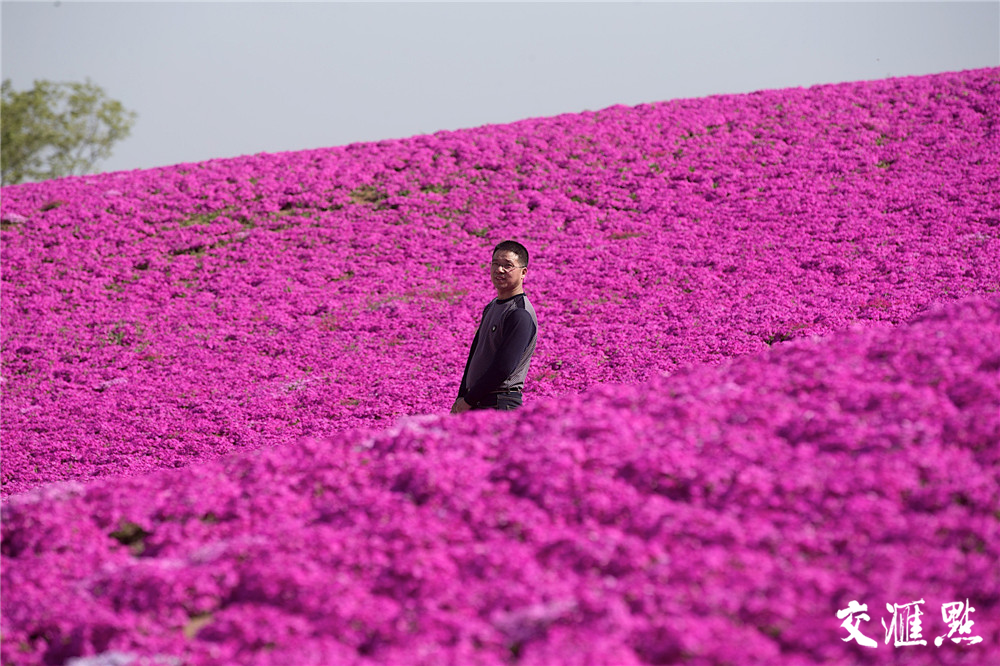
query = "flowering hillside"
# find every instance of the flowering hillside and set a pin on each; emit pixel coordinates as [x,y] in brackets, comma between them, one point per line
[154,318]
[723,515]
[767,384]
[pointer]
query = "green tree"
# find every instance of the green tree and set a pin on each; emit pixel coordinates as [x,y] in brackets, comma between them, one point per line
[58,129]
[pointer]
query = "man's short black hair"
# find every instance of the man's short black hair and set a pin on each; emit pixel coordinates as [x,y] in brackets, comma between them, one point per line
[519,250]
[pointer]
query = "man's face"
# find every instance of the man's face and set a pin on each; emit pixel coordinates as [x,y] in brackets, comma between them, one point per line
[506,271]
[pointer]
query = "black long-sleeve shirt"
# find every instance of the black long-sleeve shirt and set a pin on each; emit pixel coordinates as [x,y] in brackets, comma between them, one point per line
[501,350]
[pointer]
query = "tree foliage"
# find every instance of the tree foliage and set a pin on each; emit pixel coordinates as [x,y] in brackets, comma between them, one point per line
[58,129]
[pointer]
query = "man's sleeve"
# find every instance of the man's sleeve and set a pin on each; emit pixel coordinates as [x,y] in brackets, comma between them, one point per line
[518,331]
[463,389]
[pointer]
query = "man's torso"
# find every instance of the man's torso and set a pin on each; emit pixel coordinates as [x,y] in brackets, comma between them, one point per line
[491,336]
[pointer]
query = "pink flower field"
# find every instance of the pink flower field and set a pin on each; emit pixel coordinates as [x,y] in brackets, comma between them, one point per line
[767,384]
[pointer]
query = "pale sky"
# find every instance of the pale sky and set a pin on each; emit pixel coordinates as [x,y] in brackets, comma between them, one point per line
[211,80]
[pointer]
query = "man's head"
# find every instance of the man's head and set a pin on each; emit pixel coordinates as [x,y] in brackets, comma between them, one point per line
[508,268]
[513,246]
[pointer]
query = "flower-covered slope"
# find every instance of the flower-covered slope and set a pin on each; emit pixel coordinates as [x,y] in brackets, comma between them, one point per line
[721,515]
[155,318]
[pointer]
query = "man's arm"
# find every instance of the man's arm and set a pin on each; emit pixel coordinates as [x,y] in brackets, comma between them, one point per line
[461,403]
[518,331]
[463,388]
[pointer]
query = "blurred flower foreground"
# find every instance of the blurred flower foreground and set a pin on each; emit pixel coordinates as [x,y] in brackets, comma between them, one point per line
[766,393]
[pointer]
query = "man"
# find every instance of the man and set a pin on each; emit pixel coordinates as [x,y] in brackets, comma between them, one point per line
[501,351]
